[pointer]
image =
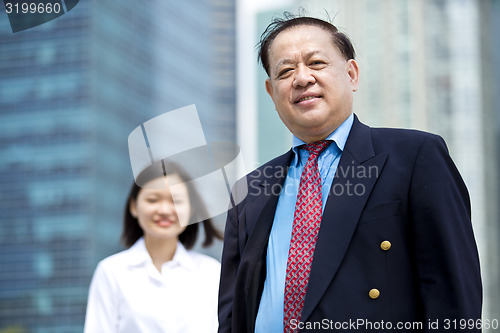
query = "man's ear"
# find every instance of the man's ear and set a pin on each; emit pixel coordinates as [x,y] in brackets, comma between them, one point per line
[353,72]
[269,88]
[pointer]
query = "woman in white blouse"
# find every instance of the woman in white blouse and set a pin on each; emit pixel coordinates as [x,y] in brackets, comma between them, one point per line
[157,284]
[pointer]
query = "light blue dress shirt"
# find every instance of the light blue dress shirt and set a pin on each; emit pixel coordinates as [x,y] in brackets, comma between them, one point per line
[270,314]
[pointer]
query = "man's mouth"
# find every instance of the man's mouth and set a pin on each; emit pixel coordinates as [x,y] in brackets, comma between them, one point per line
[306,98]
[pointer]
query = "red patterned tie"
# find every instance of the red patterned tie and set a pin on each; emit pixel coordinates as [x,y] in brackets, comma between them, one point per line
[306,222]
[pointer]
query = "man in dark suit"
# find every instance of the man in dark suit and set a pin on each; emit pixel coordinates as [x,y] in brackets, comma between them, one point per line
[355,229]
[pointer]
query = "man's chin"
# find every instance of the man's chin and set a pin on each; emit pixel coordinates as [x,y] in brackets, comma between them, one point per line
[313,134]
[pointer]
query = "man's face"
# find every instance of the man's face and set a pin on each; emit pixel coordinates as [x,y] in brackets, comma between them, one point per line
[310,83]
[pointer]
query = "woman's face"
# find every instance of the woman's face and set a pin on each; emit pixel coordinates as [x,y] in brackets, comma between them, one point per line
[162,211]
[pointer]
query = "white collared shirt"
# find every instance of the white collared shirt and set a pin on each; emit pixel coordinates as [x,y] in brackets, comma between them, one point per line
[129,295]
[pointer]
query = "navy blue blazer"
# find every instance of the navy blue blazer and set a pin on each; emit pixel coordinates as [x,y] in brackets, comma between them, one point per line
[395,248]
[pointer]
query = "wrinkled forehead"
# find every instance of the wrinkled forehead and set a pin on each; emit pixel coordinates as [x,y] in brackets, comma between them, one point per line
[300,35]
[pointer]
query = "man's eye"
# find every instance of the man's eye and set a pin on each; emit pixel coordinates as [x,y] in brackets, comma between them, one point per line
[317,62]
[284,71]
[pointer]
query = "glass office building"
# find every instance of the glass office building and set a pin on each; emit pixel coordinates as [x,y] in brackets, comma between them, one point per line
[490,60]
[71,91]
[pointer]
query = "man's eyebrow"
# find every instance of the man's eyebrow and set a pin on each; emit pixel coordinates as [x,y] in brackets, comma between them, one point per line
[291,61]
[311,53]
[284,62]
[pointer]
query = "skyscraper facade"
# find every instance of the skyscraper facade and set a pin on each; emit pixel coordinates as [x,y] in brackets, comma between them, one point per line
[71,91]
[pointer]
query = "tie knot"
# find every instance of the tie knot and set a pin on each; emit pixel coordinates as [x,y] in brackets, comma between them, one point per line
[317,147]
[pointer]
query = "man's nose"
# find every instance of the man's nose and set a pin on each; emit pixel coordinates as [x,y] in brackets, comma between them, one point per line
[303,77]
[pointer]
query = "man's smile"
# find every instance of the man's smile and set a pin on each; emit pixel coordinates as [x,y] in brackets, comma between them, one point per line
[306,97]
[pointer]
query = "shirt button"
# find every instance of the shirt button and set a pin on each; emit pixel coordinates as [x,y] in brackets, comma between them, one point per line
[374,293]
[385,245]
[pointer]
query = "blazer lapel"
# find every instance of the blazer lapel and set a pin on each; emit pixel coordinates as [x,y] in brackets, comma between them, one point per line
[356,175]
[261,205]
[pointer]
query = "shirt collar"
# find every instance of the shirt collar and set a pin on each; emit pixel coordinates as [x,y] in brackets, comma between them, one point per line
[139,254]
[182,258]
[339,136]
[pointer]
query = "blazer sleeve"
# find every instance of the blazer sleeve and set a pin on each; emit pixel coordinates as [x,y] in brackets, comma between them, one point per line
[229,269]
[447,262]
